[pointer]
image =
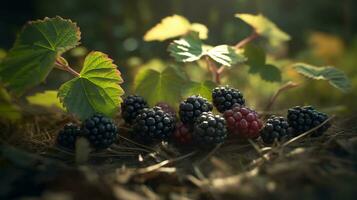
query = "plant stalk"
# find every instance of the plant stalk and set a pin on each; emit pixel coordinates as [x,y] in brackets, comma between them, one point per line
[66,68]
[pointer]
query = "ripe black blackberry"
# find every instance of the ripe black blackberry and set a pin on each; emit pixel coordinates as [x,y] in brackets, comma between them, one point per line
[276,128]
[209,129]
[302,119]
[153,124]
[68,135]
[192,108]
[100,131]
[225,98]
[131,107]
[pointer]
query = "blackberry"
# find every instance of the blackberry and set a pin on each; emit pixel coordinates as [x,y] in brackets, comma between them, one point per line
[209,129]
[302,119]
[182,133]
[225,98]
[243,122]
[100,131]
[192,108]
[131,107]
[68,135]
[276,128]
[167,108]
[153,124]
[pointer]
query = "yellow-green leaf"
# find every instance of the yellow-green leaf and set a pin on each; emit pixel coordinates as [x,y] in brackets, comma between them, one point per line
[264,27]
[174,26]
[8,109]
[203,88]
[46,99]
[97,90]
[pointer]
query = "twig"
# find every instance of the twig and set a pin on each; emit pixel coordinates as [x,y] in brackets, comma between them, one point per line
[283,88]
[65,67]
[248,39]
[213,69]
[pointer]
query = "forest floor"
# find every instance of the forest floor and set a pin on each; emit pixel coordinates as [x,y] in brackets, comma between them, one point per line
[32,167]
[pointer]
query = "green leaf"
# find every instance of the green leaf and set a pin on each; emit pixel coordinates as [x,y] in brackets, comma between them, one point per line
[203,88]
[335,77]
[8,109]
[187,49]
[264,27]
[174,26]
[255,55]
[35,51]
[225,55]
[46,99]
[97,90]
[190,48]
[157,86]
[266,72]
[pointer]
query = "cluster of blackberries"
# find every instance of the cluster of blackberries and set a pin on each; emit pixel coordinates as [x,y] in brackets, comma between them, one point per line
[149,124]
[99,130]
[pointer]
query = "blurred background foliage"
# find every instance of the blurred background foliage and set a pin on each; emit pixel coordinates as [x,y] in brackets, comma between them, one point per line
[323,32]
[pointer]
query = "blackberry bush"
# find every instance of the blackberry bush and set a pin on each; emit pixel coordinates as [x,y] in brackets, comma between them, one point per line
[153,124]
[243,122]
[302,119]
[209,129]
[68,135]
[131,107]
[193,107]
[225,98]
[100,131]
[276,128]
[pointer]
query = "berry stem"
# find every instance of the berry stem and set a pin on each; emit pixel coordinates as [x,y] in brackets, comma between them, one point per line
[285,87]
[65,67]
[214,70]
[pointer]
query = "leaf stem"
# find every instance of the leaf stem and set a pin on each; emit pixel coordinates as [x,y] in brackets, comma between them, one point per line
[65,67]
[214,70]
[239,45]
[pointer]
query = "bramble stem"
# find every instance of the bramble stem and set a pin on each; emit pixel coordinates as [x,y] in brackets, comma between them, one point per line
[66,68]
[283,88]
[214,70]
[248,39]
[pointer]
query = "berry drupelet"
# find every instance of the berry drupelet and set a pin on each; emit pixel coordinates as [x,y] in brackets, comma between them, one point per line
[167,108]
[153,124]
[192,108]
[100,131]
[209,129]
[131,107]
[225,98]
[182,133]
[302,119]
[243,122]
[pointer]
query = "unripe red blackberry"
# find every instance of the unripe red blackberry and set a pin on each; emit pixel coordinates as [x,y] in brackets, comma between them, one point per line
[68,135]
[192,108]
[131,106]
[225,98]
[167,108]
[153,124]
[209,129]
[182,133]
[100,131]
[243,122]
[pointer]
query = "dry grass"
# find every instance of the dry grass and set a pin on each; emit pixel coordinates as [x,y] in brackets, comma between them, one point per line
[304,167]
